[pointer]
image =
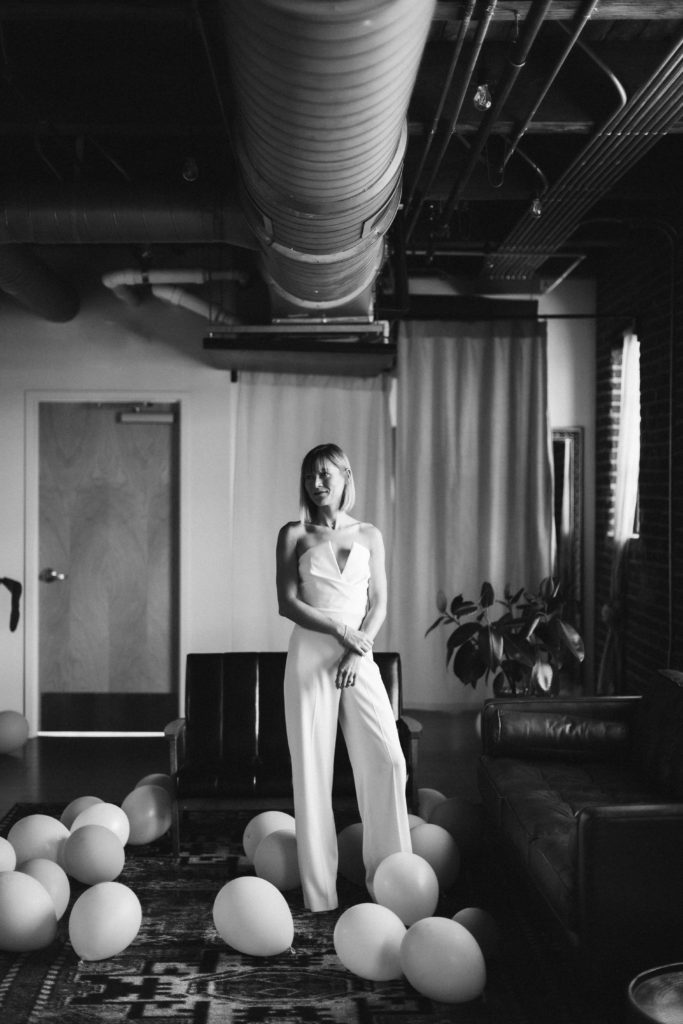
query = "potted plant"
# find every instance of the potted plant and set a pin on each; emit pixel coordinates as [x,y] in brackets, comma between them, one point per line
[523,649]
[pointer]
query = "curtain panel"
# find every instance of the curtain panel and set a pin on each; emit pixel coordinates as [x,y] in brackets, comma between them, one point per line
[473,483]
[279,419]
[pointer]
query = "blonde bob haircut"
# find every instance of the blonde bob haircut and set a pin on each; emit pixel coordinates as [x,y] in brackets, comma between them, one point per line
[313,462]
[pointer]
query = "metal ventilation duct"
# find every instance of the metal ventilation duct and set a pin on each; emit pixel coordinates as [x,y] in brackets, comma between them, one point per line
[322,93]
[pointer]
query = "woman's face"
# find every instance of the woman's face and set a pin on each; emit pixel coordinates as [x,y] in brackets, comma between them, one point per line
[325,485]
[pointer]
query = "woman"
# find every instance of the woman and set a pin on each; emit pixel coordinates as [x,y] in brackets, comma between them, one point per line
[331,582]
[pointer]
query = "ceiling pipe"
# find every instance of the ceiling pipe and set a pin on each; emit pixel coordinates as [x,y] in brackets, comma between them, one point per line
[322,93]
[628,134]
[581,21]
[123,283]
[455,57]
[121,215]
[35,286]
[532,26]
[175,296]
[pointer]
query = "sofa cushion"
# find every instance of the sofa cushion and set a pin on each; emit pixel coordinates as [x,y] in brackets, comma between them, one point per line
[536,803]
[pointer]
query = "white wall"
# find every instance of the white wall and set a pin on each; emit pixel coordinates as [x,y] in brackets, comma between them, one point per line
[154,351]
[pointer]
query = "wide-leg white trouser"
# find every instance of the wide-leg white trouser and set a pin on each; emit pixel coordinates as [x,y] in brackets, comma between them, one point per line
[313,705]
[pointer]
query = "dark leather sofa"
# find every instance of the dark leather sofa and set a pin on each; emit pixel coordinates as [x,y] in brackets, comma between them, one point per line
[585,797]
[230,749]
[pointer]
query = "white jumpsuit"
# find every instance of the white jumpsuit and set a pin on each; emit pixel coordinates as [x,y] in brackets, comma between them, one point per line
[313,705]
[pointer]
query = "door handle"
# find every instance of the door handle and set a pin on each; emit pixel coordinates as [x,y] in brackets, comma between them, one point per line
[51,576]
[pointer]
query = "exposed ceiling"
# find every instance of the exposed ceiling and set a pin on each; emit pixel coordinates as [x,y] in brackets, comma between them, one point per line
[117,136]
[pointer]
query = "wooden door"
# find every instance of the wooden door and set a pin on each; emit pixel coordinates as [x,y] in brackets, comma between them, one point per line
[108,542]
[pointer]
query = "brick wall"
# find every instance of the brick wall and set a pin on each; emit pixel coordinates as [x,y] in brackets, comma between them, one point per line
[635,278]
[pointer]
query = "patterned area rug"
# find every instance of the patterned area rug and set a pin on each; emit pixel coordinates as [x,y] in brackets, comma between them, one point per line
[179,970]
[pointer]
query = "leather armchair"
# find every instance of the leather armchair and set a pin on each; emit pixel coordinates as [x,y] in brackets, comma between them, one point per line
[230,750]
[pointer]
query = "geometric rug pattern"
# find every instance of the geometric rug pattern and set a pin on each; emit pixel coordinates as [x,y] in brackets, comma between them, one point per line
[179,971]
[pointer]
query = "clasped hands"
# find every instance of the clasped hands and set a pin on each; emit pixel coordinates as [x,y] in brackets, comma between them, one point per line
[357,644]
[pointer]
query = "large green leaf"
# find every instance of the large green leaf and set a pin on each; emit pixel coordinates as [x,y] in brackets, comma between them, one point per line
[491,647]
[542,676]
[572,640]
[487,596]
[467,664]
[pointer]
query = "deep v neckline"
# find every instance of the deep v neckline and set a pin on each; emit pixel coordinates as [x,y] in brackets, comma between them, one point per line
[341,569]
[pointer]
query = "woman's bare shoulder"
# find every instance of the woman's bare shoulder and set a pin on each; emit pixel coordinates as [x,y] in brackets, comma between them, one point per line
[290,534]
[370,536]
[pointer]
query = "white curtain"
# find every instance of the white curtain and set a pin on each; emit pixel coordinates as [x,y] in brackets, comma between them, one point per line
[279,419]
[473,485]
[610,676]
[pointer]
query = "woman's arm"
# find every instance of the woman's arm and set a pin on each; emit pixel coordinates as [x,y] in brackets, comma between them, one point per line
[377,588]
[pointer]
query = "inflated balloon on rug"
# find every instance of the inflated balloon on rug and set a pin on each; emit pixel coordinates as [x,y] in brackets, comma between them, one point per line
[53,878]
[367,939]
[439,848]
[28,919]
[13,731]
[407,884]
[8,857]
[148,809]
[443,961]
[109,815]
[260,826]
[73,809]
[253,917]
[38,835]
[483,927]
[277,861]
[93,854]
[104,921]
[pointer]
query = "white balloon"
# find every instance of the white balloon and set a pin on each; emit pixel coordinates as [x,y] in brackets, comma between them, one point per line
[443,961]
[148,809]
[53,878]
[38,835]
[427,800]
[109,815]
[8,856]
[104,921]
[28,919]
[253,917]
[158,779]
[13,731]
[262,825]
[93,854]
[367,939]
[407,884]
[277,861]
[439,848]
[483,927]
[72,810]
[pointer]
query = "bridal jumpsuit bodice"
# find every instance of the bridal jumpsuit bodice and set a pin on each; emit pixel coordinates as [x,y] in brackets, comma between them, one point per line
[314,705]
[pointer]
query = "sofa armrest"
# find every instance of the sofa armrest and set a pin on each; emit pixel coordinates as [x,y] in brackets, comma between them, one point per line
[175,734]
[582,728]
[629,882]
